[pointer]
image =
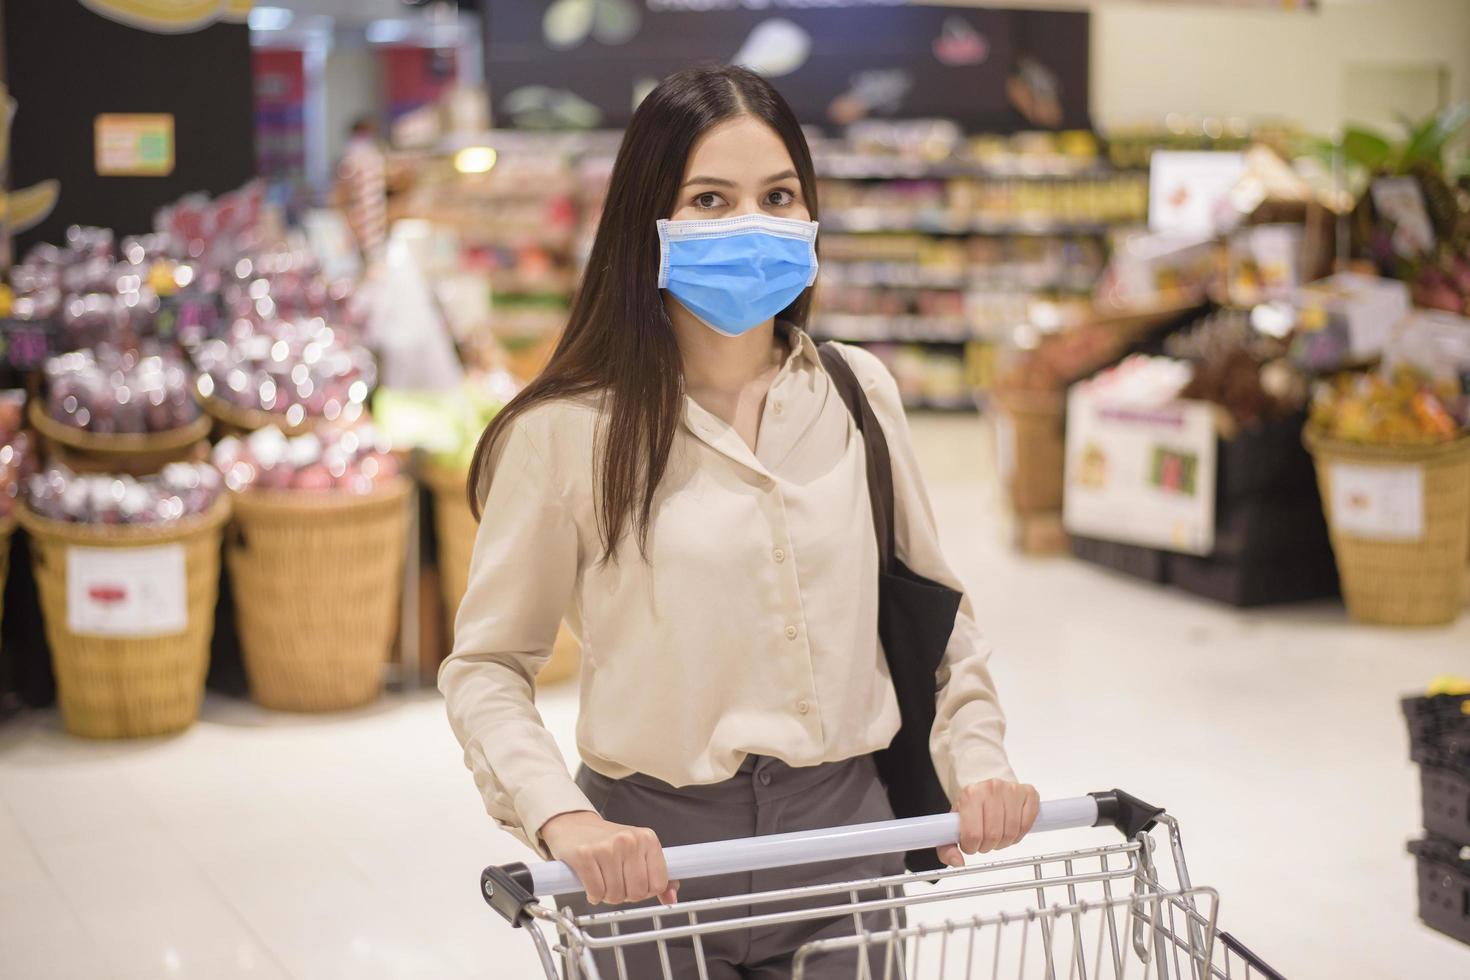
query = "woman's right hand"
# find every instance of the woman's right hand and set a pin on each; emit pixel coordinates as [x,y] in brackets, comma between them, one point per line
[616,863]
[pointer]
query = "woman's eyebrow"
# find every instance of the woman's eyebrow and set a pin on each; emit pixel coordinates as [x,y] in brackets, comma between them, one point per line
[717,181]
[721,182]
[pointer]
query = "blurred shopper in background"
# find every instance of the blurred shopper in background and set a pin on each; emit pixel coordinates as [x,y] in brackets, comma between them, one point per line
[362,188]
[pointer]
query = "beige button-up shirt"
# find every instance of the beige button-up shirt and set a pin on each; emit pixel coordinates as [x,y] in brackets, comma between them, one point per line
[751,629]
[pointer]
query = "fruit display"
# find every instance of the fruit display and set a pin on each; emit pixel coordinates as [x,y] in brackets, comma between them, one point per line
[1239,367]
[1407,408]
[285,283]
[1058,359]
[17,455]
[179,490]
[447,425]
[297,369]
[111,391]
[351,460]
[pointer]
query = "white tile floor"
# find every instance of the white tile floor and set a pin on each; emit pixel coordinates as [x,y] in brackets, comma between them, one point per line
[275,846]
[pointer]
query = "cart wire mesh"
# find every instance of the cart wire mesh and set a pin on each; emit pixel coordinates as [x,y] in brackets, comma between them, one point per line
[1099,912]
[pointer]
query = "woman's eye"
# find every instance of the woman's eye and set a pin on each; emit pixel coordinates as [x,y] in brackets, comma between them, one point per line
[709,199]
[780,198]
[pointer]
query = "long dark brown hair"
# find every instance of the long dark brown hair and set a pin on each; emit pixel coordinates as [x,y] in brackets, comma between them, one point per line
[618,341]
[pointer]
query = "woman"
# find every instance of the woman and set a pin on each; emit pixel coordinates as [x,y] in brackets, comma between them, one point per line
[685,486]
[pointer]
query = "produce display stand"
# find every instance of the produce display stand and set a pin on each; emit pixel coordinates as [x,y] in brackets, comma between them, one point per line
[317,580]
[1405,575]
[113,684]
[233,420]
[133,453]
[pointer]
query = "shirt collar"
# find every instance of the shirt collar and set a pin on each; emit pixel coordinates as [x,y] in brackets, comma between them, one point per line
[803,348]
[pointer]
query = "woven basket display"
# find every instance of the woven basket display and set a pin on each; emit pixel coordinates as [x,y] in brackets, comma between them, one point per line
[133,453]
[455,527]
[1035,478]
[1386,579]
[317,579]
[112,686]
[232,420]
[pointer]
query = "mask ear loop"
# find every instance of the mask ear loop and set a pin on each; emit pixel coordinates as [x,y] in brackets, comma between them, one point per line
[663,252]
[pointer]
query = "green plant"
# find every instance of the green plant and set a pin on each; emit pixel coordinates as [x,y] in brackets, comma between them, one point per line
[1425,144]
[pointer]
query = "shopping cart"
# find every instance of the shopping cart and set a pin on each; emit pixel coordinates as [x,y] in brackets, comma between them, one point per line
[1098,912]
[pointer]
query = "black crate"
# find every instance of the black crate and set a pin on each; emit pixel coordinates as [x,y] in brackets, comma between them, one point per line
[1444,784]
[1444,886]
[1148,564]
[1261,529]
[1247,584]
[1434,719]
[1266,459]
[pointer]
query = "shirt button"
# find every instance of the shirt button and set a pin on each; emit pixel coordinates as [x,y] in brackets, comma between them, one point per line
[765,778]
[779,555]
[803,707]
[791,632]
[777,408]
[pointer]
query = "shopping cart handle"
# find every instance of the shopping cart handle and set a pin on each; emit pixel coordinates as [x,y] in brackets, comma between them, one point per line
[510,888]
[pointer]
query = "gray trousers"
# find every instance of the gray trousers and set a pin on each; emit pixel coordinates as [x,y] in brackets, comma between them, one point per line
[765,797]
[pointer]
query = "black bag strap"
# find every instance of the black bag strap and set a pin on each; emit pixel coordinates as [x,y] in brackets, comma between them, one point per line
[880,465]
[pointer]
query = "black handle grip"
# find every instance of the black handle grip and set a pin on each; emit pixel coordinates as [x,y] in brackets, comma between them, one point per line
[507,890]
[1125,812]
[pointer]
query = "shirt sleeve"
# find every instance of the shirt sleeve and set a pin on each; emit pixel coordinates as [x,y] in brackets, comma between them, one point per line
[521,577]
[968,739]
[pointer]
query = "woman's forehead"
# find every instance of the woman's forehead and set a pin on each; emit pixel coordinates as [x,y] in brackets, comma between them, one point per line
[743,148]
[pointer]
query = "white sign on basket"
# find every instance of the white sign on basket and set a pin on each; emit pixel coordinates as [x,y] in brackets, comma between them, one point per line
[1385,503]
[132,592]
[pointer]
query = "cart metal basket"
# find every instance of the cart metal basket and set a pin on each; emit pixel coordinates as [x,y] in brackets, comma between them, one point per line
[1100,912]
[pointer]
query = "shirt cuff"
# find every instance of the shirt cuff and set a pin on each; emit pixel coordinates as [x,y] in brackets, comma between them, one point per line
[543,799]
[979,764]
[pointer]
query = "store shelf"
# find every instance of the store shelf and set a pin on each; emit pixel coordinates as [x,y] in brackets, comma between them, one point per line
[879,168]
[877,328]
[858,220]
[940,283]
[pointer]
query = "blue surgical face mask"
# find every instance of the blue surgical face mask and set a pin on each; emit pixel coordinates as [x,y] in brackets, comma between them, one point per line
[736,273]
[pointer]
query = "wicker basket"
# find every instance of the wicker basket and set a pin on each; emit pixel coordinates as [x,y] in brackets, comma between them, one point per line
[317,579]
[112,686]
[1035,474]
[455,528]
[232,420]
[136,454]
[1397,582]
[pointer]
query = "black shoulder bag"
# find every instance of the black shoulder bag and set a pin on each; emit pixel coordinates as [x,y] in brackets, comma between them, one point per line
[915,619]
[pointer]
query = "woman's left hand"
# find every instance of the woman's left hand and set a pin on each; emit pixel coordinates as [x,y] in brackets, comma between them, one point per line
[995,813]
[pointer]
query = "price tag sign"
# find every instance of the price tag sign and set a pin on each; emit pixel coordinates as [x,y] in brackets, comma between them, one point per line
[128,592]
[134,144]
[1383,503]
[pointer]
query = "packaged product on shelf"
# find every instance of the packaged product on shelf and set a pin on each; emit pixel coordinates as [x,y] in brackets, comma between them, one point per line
[1435,343]
[351,460]
[1346,320]
[113,391]
[179,490]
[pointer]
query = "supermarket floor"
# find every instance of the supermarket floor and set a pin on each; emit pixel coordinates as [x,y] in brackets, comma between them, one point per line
[266,845]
